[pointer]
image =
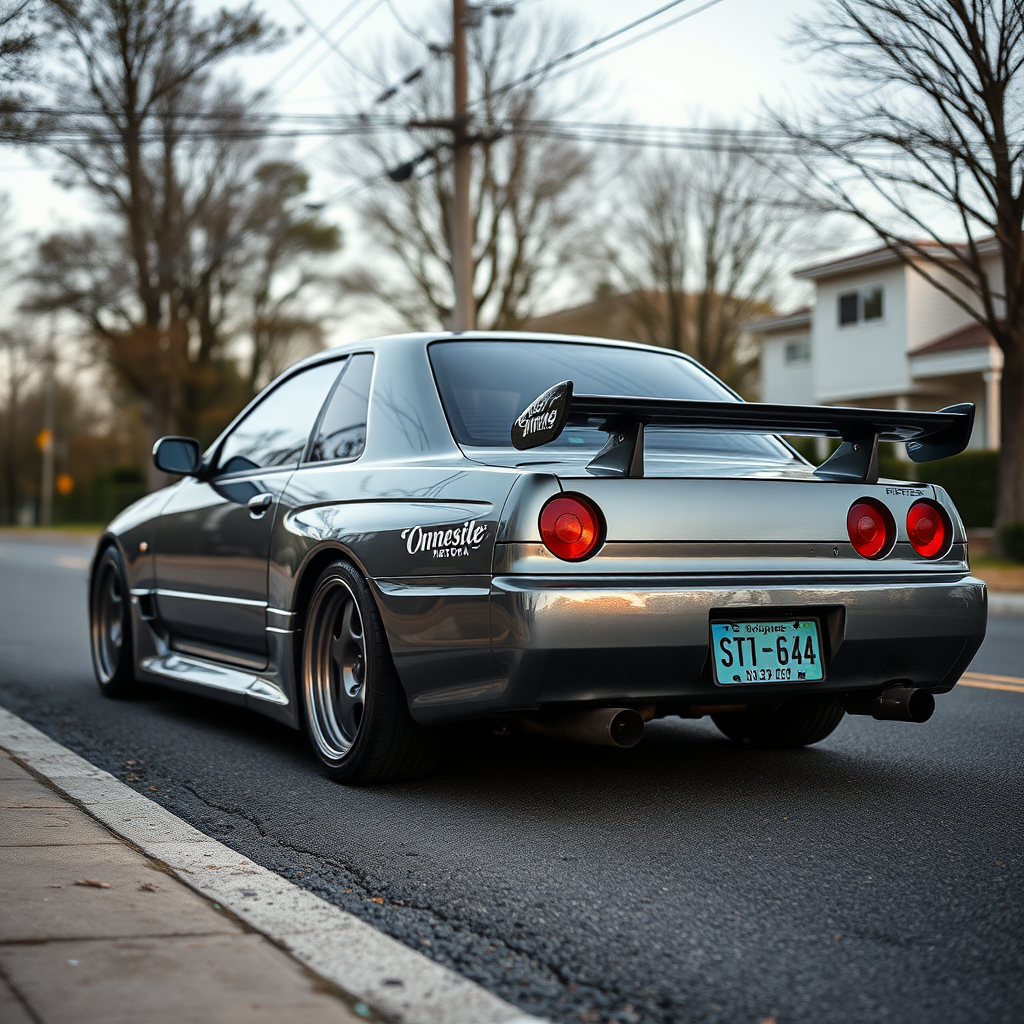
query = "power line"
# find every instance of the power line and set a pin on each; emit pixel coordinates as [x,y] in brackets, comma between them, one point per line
[751,140]
[586,48]
[636,39]
[312,67]
[331,43]
[405,26]
[311,44]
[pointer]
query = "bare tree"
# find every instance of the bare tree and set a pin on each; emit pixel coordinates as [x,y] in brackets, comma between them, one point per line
[284,258]
[144,68]
[19,48]
[529,194]
[239,280]
[19,40]
[701,250]
[921,141]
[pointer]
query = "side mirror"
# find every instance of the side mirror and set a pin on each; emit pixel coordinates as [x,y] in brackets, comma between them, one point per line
[178,455]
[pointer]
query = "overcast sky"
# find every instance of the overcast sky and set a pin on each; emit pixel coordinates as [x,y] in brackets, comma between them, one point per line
[720,64]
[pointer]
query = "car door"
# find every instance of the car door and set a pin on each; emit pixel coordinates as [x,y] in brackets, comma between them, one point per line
[212,542]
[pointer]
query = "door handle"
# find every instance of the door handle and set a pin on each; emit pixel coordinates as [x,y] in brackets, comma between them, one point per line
[259,504]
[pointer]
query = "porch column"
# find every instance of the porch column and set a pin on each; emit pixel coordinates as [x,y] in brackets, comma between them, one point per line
[992,378]
[901,402]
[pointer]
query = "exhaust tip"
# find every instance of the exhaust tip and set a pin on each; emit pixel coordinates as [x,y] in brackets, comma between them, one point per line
[920,705]
[893,704]
[626,728]
[605,727]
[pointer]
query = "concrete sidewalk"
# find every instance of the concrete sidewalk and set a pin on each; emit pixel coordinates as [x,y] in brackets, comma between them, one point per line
[93,930]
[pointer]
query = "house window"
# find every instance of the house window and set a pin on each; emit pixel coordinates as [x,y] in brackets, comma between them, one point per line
[866,305]
[849,308]
[798,352]
[871,298]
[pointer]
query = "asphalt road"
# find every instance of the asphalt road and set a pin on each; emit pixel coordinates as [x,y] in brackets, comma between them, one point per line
[874,878]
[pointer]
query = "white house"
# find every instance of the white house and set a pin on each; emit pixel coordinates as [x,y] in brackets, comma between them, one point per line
[879,334]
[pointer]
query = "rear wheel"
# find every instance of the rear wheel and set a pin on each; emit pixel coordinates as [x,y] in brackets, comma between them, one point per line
[794,723]
[111,626]
[355,709]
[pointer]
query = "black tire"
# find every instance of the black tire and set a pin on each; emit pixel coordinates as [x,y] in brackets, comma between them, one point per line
[110,627]
[355,709]
[795,723]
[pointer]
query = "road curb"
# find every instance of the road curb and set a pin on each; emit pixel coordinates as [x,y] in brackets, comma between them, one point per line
[397,982]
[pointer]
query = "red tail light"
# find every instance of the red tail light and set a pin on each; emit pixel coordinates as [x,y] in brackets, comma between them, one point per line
[871,527]
[929,529]
[570,527]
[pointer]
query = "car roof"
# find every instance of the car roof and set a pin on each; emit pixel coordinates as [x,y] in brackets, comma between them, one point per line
[427,337]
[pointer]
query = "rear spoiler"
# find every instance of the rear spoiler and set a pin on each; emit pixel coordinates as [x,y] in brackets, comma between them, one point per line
[927,435]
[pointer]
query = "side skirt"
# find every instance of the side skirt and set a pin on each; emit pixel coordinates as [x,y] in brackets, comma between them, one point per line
[270,691]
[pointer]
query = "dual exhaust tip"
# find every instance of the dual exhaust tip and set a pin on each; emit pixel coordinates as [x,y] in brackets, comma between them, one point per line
[892,704]
[603,727]
[624,727]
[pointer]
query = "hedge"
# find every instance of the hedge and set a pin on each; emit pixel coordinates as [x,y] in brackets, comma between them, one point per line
[970,478]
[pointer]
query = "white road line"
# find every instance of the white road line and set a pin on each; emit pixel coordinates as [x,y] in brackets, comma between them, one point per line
[334,944]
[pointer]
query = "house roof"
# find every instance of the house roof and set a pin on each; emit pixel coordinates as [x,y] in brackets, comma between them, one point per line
[798,318]
[971,336]
[608,316]
[877,257]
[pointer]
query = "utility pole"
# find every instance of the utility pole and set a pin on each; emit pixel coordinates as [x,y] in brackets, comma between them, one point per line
[464,314]
[46,438]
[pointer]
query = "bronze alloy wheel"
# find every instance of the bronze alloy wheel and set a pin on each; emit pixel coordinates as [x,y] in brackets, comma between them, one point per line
[110,626]
[336,671]
[356,711]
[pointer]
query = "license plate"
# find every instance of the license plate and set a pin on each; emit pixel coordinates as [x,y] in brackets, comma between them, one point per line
[767,652]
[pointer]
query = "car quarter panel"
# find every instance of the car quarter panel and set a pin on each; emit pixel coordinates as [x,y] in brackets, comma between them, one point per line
[425,542]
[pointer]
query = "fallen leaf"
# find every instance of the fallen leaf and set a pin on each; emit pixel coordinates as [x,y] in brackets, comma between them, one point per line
[377,899]
[154,788]
[148,887]
[53,885]
[92,883]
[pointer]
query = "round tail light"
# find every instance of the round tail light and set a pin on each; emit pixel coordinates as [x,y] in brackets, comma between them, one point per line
[929,529]
[871,527]
[570,527]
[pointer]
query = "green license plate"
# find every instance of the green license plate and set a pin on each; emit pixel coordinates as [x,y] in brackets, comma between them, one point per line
[767,652]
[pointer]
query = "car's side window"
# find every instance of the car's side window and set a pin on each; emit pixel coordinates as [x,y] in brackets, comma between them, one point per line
[342,434]
[275,432]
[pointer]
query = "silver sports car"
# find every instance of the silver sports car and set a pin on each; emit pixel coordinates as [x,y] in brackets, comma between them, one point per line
[569,534]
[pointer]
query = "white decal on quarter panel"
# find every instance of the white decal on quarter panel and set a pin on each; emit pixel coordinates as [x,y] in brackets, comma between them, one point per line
[445,541]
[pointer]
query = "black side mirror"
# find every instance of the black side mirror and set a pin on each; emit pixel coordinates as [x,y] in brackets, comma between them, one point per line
[178,455]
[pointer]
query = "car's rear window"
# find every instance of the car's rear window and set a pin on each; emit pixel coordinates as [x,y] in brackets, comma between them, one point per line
[485,385]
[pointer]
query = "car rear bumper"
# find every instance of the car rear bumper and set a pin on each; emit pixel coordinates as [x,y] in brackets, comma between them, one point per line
[646,639]
[601,639]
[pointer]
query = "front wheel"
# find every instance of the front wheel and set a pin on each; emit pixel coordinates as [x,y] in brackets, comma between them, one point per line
[355,709]
[794,723]
[110,626]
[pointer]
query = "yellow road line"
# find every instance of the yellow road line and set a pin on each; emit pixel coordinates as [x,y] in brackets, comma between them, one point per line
[987,682]
[994,678]
[71,562]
